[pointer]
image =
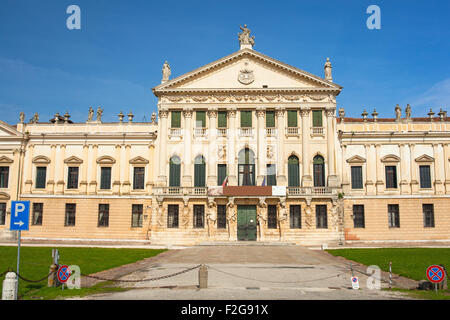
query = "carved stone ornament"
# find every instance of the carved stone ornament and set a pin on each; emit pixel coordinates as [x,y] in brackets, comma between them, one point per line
[222,152]
[246,75]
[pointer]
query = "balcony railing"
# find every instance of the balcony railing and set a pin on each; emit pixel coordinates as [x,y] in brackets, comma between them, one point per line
[317,131]
[246,132]
[200,132]
[222,132]
[175,132]
[271,132]
[314,191]
[293,131]
[180,191]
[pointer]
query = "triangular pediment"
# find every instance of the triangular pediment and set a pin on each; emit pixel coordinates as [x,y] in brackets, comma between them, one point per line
[247,69]
[424,158]
[73,160]
[356,159]
[8,131]
[138,160]
[5,160]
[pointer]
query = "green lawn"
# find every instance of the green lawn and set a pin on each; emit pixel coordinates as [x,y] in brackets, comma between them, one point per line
[408,262]
[35,263]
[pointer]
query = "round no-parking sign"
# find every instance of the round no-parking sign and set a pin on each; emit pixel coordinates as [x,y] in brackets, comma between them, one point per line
[63,274]
[435,273]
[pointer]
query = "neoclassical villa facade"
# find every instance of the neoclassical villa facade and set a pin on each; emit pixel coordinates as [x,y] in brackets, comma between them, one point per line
[245,148]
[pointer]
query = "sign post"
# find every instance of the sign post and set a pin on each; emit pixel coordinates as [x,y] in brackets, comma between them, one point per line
[20,217]
[435,274]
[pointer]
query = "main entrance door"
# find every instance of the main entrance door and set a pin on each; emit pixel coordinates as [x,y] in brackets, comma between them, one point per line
[246,223]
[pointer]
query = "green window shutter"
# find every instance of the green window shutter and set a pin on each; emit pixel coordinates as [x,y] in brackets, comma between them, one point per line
[176,119]
[292,118]
[200,119]
[293,172]
[246,119]
[222,119]
[270,119]
[271,175]
[40,177]
[105,179]
[174,174]
[221,173]
[199,173]
[317,118]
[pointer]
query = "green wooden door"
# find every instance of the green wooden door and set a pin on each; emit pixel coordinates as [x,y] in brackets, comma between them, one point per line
[246,223]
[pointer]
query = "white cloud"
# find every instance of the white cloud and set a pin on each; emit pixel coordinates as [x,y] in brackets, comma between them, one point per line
[435,97]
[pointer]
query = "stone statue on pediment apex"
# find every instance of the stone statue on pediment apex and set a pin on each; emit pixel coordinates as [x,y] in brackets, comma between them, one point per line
[166,71]
[90,114]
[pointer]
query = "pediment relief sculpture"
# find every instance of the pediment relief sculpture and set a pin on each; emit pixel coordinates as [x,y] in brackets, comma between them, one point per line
[139,160]
[390,158]
[5,159]
[73,160]
[106,160]
[41,160]
[356,159]
[424,158]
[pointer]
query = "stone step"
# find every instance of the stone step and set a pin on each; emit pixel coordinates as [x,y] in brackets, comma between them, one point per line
[245,243]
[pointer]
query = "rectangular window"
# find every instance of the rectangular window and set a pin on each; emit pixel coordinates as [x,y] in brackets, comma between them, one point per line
[393,216]
[4,176]
[317,118]
[221,216]
[358,216]
[72,178]
[105,178]
[38,209]
[41,173]
[136,215]
[292,118]
[222,119]
[138,179]
[295,216]
[221,173]
[2,213]
[246,119]
[175,119]
[103,215]
[172,216]
[270,119]
[272,217]
[199,216]
[425,177]
[391,177]
[271,175]
[321,216]
[69,220]
[357,181]
[428,215]
[200,119]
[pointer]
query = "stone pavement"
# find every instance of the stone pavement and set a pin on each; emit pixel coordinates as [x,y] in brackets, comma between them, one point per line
[248,272]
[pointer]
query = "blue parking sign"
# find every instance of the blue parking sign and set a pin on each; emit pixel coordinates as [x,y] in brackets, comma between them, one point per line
[20,215]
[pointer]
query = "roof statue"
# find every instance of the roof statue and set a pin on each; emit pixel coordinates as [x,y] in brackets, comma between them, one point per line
[327,68]
[245,40]
[90,114]
[166,72]
[99,114]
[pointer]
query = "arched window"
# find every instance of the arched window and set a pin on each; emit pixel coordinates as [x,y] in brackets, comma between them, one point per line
[199,172]
[246,167]
[293,172]
[319,171]
[174,171]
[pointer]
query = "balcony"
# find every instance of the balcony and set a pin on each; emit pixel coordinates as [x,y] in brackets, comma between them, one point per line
[271,132]
[199,132]
[181,191]
[293,131]
[222,132]
[246,132]
[317,131]
[310,191]
[175,132]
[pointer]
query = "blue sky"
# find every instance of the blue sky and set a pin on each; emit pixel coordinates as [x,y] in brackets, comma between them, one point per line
[117,56]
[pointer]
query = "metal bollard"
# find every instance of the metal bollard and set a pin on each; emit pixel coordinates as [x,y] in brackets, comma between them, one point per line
[203,277]
[52,280]
[9,287]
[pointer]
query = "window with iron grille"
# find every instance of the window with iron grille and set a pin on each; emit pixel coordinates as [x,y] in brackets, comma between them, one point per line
[221,216]
[295,217]
[172,216]
[72,178]
[425,176]
[41,173]
[103,215]
[138,179]
[4,176]
[358,216]
[321,216]
[391,177]
[272,217]
[357,181]
[393,216]
[271,175]
[199,216]
[428,215]
[105,178]
[69,220]
[38,211]
[136,215]
[2,213]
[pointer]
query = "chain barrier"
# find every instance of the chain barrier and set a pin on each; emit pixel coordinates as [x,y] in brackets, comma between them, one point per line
[25,279]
